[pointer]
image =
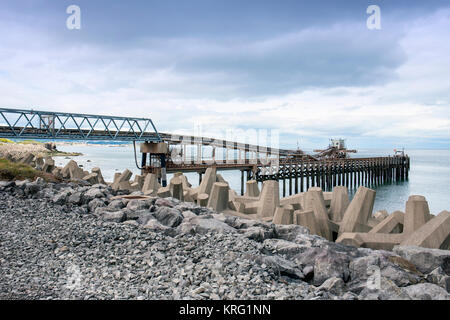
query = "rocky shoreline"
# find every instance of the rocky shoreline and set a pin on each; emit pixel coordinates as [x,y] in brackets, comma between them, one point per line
[79,241]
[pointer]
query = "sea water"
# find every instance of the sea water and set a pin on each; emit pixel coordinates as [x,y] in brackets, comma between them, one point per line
[429,174]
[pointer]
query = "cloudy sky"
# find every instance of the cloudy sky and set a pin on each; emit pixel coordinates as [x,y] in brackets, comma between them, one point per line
[311,70]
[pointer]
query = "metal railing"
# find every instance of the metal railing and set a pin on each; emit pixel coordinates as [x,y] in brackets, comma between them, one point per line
[36,124]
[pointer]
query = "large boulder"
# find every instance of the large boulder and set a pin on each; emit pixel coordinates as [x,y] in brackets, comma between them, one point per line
[425,260]
[169,217]
[204,224]
[427,291]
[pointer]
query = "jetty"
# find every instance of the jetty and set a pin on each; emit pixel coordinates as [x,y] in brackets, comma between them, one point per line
[163,153]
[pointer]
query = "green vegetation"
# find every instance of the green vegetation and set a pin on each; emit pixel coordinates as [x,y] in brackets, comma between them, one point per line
[4,140]
[16,171]
[29,142]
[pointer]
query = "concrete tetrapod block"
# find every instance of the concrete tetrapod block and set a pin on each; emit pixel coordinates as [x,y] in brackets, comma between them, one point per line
[92,178]
[57,172]
[251,189]
[416,213]
[49,165]
[151,184]
[295,200]
[39,163]
[66,170]
[208,180]
[315,200]
[306,219]
[139,179]
[376,241]
[27,158]
[435,234]
[283,215]
[164,192]
[202,199]
[219,178]
[185,182]
[381,215]
[392,224]
[99,175]
[358,212]
[75,173]
[269,199]
[218,199]
[176,188]
[339,203]
[121,182]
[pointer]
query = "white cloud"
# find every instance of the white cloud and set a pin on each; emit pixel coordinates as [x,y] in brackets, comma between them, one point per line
[180,82]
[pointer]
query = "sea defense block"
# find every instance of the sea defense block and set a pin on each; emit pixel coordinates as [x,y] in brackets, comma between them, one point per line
[306,219]
[39,163]
[65,171]
[316,202]
[176,188]
[392,224]
[381,215]
[57,172]
[122,182]
[283,215]
[376,241]
[218,199]
[295,200]
[269,199]
[435,234]
[208,180]
[202,199]
[27,158]
[92,178]
[252,189]
[164,192]
[139,179]
[358,212]
[99,175]
[49,165]
[416,213]
[339,203]
[151,185]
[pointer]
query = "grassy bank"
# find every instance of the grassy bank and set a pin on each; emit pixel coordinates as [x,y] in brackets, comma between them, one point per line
[16,171]
[35,147]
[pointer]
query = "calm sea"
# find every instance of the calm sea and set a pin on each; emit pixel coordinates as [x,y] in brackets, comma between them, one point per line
[429,175]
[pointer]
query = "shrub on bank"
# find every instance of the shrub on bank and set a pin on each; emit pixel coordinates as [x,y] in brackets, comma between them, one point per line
[17,171]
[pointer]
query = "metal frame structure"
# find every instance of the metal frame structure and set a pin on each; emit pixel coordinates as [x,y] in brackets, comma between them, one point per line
[36,124]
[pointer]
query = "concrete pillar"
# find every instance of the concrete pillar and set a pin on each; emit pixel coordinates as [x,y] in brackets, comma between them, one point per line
[218,199]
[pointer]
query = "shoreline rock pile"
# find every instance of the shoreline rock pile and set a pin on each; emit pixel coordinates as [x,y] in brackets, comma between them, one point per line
[327,214]
[72,241]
